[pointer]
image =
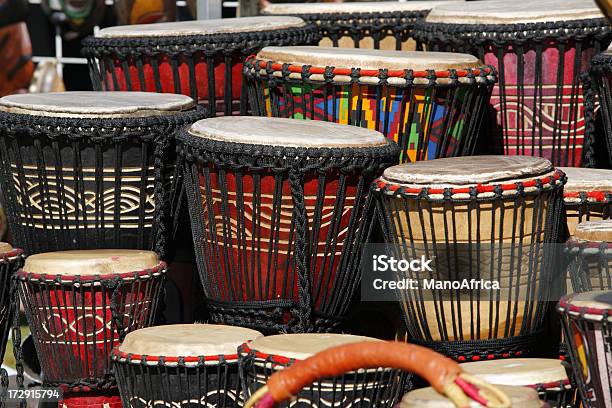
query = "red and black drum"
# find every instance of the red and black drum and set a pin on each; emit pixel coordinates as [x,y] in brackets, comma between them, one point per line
[587,324]
[598,88]
[589,253]
[380,25]
[549,377]
[430,103]
[90,169]
[540,50]
[488,225]
[367,388]
[201,58]
[181,365]
[79,305]
[11,259]
[277,215]
[587,195]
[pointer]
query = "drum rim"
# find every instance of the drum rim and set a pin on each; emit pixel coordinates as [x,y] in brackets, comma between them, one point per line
[589,246]
[172,361]
[11,255]
[597,196]
[158,270]
[565,306]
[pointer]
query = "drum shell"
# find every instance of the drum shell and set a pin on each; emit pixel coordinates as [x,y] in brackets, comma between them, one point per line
[584,208]
[91,400]
[589,265]
[76,322]
[9,264]
[597,88]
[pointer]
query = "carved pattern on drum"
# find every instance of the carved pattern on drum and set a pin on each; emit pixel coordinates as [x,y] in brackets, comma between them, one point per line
[204,401]
[58,202]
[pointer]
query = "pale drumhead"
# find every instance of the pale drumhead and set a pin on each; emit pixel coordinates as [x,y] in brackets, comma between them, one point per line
[285,132]
[181,340]
[596,231]
[356,7]
[91,262]
[587,180]
[89,104]
[429,398]
[500,12]
[367,58]
[5,247]
[465,171]
[302,346]
[203,27]
[518,371]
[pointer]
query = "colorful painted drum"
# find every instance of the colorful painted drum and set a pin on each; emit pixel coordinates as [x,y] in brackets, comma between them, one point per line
[587,324]
[277,214]
[478,219]
[548,377]
[540,50]
[181,365]
[589,253]
[79,305]
[587,195]
[429,398]
[379,25]
[431,104]
[202,59]
[598,88]
[11,259]
[262,357]
[89,169]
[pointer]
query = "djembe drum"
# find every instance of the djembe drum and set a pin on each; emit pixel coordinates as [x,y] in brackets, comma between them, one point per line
[11,260]
[480,218]
[79,305]
[587,195]
[590,256]
[429,398]
[431,104]
[89,169]
[181,365]
[540,51]
[202,59]
[276,211]
[549,377]
[587,324]
[598,88]
[262,357]
[380,25]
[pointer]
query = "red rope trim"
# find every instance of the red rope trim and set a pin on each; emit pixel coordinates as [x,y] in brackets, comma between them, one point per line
[568,307]
[11,254]
[461,73]
[85,278]
[595,195]
[171,359]
[578,243]
[267,357]
[553,384]
[480,188]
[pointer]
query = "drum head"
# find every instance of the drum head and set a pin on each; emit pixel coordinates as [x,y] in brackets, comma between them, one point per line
[353,7]
[302,346]
[502,12]
[367,58]
[429,398]
[80,104]
[597,302]
[183,340]
[203,27]
[595,231]
[91,262]
[518,371]
[285,132]
[5,248]
[587,180]
[468,171]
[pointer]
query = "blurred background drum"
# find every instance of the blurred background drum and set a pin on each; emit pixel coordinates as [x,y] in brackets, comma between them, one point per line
[590,256]
[380,25]
[181,365]
[431,104]
[480,218]
[277,215]
[89,170]
[587,195]
[202,58]
[11,259]
[371,388]
[79,305]
[587,324]
[540,50]
[598,88]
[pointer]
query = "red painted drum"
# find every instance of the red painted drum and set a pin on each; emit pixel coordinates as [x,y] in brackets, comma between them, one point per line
[540,52]
[277,216]
[79,305]
[202,59]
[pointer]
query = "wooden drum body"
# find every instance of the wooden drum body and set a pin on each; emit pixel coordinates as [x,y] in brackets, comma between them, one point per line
[202,59]
[89,169]
[277,210]
[431,104]
[481,217]
[589,253]
[540,52]
[179,365]
[598,88]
